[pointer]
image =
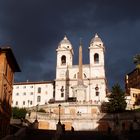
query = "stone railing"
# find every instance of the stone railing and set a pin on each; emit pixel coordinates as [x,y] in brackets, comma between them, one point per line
[53,116]
[86,116]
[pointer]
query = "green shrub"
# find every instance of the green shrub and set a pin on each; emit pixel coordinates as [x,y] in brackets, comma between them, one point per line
[18,113]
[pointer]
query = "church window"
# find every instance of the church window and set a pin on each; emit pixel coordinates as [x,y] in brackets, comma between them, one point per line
[96,58]
[63,60]
[62,91]
[97,93]
[97,90]
[62,94]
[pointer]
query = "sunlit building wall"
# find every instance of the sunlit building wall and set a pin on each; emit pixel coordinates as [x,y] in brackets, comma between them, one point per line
[29,94]
[8,66]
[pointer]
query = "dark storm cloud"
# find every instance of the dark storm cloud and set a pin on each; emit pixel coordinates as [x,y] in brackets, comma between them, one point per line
[35,27]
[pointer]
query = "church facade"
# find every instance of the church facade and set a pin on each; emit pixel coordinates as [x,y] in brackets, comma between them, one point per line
[92,75]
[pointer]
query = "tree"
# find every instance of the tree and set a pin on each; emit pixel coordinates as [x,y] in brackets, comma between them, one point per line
[18,113]
[136,60]
[117,102]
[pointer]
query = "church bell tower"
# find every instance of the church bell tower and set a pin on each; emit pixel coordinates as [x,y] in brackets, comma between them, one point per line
[64,61]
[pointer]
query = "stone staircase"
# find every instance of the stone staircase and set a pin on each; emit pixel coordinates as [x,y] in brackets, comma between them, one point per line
[36,134]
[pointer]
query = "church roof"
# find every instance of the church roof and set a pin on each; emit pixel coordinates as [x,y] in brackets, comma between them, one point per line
[95,39]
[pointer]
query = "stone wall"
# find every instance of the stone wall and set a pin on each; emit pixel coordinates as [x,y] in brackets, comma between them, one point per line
[98,122]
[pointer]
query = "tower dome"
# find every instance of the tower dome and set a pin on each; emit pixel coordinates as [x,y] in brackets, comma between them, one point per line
[96,39]
[65,41]
[65,44]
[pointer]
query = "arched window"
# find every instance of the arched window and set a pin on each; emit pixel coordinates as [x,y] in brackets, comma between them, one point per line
[38,98]
[39,89]
[63,60]
[96,58]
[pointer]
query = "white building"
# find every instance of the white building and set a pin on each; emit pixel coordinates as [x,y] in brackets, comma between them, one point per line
[66,85]
[28,94]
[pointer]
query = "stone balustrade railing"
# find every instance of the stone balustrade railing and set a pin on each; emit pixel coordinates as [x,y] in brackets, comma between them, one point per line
[96,116]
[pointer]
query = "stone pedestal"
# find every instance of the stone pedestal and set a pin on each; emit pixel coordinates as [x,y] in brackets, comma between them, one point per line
[59,129]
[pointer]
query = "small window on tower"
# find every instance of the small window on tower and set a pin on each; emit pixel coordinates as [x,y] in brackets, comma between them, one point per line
[63,60]
[96,58]
[62,94]
[74,75]
[97,90]
[97,93]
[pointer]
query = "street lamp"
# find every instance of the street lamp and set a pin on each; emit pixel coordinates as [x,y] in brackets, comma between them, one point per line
[59,112]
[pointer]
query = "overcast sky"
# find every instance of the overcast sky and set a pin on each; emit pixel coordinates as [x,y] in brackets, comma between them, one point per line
[33,28]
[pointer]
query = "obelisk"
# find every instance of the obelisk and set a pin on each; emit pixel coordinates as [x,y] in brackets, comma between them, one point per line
[79,90]
[80,74]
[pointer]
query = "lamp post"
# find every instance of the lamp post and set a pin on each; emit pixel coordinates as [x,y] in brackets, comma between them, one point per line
[59,112]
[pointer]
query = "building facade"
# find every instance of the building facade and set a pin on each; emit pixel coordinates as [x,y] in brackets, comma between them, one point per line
[8,66]
[29,94]
[132,80]
[132,86]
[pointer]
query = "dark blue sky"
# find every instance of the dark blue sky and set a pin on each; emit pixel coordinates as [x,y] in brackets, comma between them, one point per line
[33,28]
